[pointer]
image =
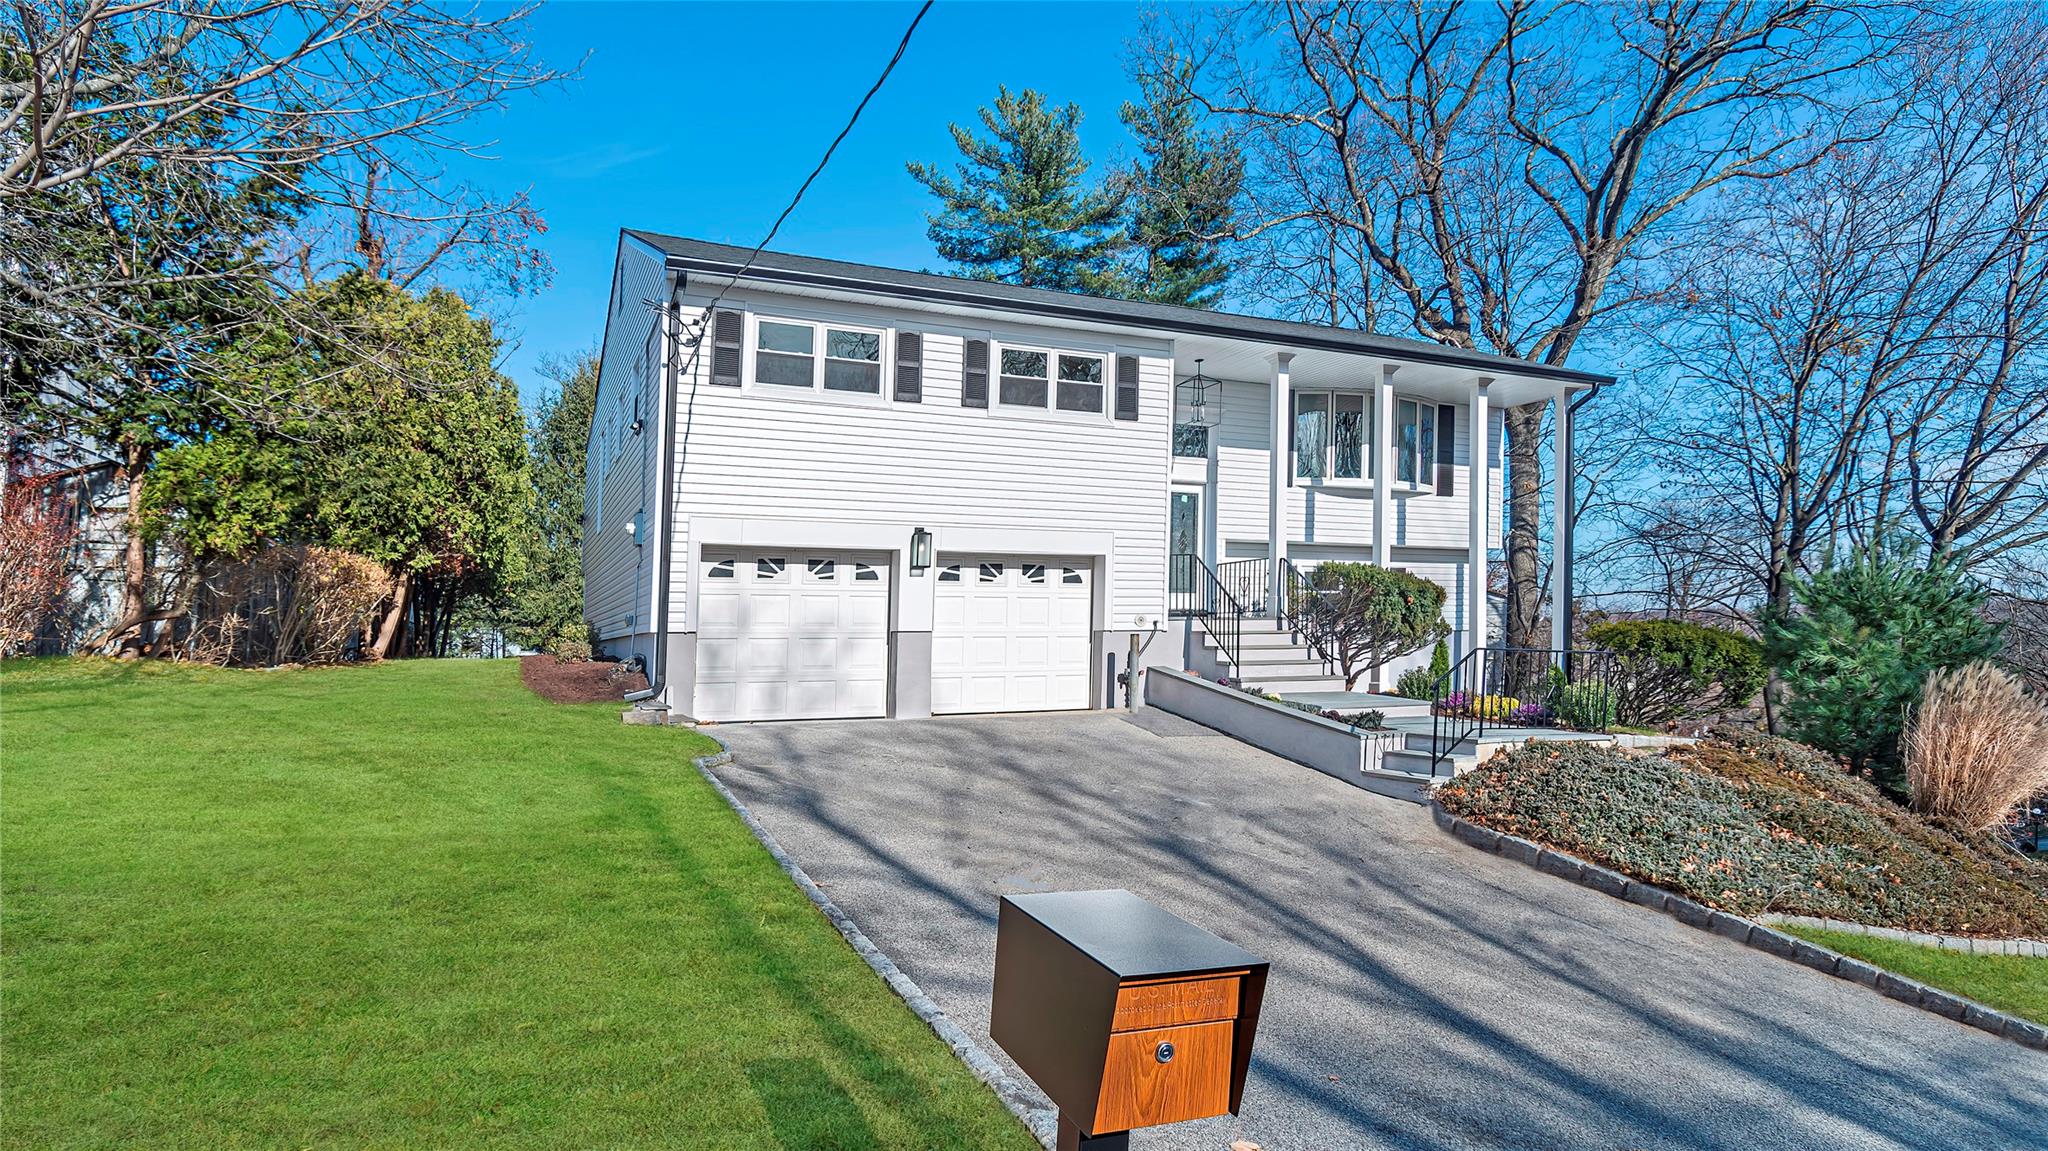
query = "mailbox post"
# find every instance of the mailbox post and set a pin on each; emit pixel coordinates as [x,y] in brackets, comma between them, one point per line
[1124,1014]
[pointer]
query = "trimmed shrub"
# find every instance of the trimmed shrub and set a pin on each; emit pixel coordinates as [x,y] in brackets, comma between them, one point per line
[1866,636]
[1976,747]
[1375,614]
[1669,670]
[1417,683]
[1584,706]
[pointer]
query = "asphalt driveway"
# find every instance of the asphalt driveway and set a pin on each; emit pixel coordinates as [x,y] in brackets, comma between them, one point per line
[1423,993]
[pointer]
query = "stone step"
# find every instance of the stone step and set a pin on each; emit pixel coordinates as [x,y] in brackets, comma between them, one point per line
[1419,763]
[1259,638]
[1282,657]
[1402,785]
[1283,684]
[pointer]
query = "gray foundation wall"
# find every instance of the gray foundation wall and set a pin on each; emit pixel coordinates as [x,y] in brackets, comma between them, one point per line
[910,678]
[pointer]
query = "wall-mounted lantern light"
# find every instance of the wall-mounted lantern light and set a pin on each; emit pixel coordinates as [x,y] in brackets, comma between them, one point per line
[920,551]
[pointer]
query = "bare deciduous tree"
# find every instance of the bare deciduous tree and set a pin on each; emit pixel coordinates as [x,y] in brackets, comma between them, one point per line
[1507,177]
[1869,342]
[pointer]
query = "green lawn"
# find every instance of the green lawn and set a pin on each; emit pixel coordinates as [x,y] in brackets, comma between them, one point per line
[2007,982]
[413,905]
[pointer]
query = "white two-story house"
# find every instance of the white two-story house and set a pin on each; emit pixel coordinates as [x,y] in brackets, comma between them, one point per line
[820,489]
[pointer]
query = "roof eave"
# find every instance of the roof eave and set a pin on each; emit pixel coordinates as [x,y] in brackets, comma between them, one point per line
[1080,309]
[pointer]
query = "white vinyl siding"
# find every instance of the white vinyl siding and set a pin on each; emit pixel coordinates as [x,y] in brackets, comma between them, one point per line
[622,478]
[1422,520]
[761,452]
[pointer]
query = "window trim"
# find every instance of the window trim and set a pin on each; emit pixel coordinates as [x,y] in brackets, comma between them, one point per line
[1052,350]
[1368,456]
[819,356]
[1375,457]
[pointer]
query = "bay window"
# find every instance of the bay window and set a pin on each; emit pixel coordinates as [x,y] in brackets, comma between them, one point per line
[1332,435]
[1414,441]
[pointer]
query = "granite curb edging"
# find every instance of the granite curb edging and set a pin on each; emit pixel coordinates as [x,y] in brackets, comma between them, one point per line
[1969,944]
[1042,1122]
[1747,932]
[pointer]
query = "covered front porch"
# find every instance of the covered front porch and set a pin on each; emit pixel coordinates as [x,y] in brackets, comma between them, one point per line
[1287,456]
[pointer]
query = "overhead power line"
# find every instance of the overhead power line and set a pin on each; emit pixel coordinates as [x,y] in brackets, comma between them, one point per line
[697,340]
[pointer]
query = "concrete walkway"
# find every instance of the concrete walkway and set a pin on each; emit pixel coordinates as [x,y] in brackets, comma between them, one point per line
[1423,994]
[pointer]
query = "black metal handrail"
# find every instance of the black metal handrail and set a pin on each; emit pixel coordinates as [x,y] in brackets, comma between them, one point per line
[1248,582]
[1570,688]
[1193,591]
[1307,615]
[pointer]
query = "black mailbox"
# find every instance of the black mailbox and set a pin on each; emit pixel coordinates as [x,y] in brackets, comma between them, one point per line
[1124,1014]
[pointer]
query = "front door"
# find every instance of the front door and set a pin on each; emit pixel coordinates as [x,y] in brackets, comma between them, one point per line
[1183,540]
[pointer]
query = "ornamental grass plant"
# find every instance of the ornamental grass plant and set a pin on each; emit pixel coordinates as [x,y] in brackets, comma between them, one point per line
[1976,747]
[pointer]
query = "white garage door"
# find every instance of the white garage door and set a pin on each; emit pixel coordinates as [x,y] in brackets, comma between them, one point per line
[792,635]
[1010,633]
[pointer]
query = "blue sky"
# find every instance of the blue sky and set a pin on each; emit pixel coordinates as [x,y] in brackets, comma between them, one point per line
[701,120]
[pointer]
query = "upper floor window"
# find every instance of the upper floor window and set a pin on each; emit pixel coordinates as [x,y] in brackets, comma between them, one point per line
[787,353]
[1414,440]
[1041,377]
[1332,435]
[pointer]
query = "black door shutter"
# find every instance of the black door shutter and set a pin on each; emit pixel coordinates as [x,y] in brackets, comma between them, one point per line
[1446,440]
[909,368]
[974,375]
[728,332]
[1127,387]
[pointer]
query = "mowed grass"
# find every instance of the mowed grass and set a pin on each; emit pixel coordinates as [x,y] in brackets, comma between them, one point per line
[2008,982]
[413,905]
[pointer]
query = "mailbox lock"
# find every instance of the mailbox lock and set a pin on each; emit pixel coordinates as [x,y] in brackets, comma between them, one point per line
[1164,1053]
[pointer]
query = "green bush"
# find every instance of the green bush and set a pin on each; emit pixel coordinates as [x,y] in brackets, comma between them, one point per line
[1667,670]
[1584,706]
[1440,660]
[1374,614]
[1865,636]
[1417,683]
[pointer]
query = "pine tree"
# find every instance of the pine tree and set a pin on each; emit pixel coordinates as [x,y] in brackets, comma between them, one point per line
[1018,208]
[1867,634]
[1183,194]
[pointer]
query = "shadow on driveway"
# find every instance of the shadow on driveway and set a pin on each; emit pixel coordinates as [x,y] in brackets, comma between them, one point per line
[1423,994]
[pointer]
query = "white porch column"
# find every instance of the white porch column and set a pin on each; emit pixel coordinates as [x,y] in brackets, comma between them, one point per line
[1382,469]
[1276,487]
[1560,546]
[1481,488]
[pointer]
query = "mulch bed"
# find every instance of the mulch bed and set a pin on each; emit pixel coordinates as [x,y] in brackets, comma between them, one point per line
[579,681]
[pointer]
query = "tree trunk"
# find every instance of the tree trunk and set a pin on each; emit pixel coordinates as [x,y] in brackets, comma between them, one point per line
[1524,622]
[393,616]
[135,613]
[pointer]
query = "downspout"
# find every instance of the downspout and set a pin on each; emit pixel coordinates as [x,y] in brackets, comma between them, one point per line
[657,679]
[1571,503]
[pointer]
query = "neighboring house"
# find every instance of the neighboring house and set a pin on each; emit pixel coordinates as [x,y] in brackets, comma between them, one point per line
[873,492]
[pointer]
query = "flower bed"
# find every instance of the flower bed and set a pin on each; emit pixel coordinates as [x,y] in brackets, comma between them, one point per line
[1752,824]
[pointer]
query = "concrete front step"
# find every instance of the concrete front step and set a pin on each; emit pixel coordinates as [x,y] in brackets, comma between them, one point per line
[1258,635]
[1292,684]
[1410,762]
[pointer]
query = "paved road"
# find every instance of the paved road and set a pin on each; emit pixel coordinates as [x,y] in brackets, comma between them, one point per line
[1423,994]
